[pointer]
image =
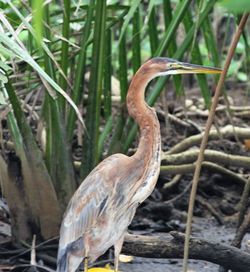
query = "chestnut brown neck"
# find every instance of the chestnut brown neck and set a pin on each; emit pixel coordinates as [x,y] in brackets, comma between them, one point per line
[150,140]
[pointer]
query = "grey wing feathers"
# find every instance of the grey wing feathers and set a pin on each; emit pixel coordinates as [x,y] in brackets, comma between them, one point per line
[85,206]
[100,191]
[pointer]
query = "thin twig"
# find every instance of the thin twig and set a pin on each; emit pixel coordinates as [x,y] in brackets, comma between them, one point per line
[172,200]
[205,138]
[241,231]
[210,208]
[243,203]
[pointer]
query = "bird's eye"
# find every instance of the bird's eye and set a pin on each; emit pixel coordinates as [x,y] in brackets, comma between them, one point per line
[170,65]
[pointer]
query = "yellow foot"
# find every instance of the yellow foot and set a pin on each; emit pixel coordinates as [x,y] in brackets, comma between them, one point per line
[86,265]
[101,269]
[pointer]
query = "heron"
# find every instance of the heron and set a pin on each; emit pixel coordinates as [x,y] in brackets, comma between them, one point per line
[102,208]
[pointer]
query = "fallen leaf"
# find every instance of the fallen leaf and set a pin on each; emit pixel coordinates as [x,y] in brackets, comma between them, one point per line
[125,258]
[247,144]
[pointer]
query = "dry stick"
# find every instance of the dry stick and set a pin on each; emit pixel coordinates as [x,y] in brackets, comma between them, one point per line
[205,138]
[243,203]
[180,195]
[210,208]
[241,231]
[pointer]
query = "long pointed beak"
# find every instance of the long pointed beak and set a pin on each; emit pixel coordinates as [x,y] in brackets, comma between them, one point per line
[187,68]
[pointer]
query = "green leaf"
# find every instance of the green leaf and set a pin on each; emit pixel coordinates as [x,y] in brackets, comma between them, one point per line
[65,50]
[242,76]
[78,88]
[4,66]
[25,56]
[37,19]
[31,30]
[240,49]
[196,58]
[2,99]
[136,42]
[178,14]
[239,6]
[3,78]
[91,156]
[234,66]
[129,16]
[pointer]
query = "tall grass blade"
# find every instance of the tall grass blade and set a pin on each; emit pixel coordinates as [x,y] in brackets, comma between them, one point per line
[153,32]
[115,145]
[136,41]
[179,12]
[62,172]
[172,48]
[78,87]
[196,58]
[134,5]
[107,92]
[104,135]
[37,18]
[64,51]
[90,155]
[208,34]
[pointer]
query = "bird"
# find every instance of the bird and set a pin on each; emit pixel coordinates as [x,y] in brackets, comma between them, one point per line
[102,208]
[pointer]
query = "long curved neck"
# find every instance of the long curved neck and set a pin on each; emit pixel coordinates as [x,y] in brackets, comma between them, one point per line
[150,141]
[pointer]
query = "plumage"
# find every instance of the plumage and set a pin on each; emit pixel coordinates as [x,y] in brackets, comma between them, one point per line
[104,205]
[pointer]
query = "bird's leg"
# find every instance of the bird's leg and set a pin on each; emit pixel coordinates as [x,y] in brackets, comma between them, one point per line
[86,264]
[86,254]
[118,248]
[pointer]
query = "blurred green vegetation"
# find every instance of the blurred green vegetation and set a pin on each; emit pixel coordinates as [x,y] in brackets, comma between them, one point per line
[67,59]
[236,7]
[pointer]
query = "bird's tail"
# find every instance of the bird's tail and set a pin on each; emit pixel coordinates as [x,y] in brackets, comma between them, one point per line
[67,262]
[62,261]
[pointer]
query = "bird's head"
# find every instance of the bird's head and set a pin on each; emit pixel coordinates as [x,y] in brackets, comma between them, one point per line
[167,66]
